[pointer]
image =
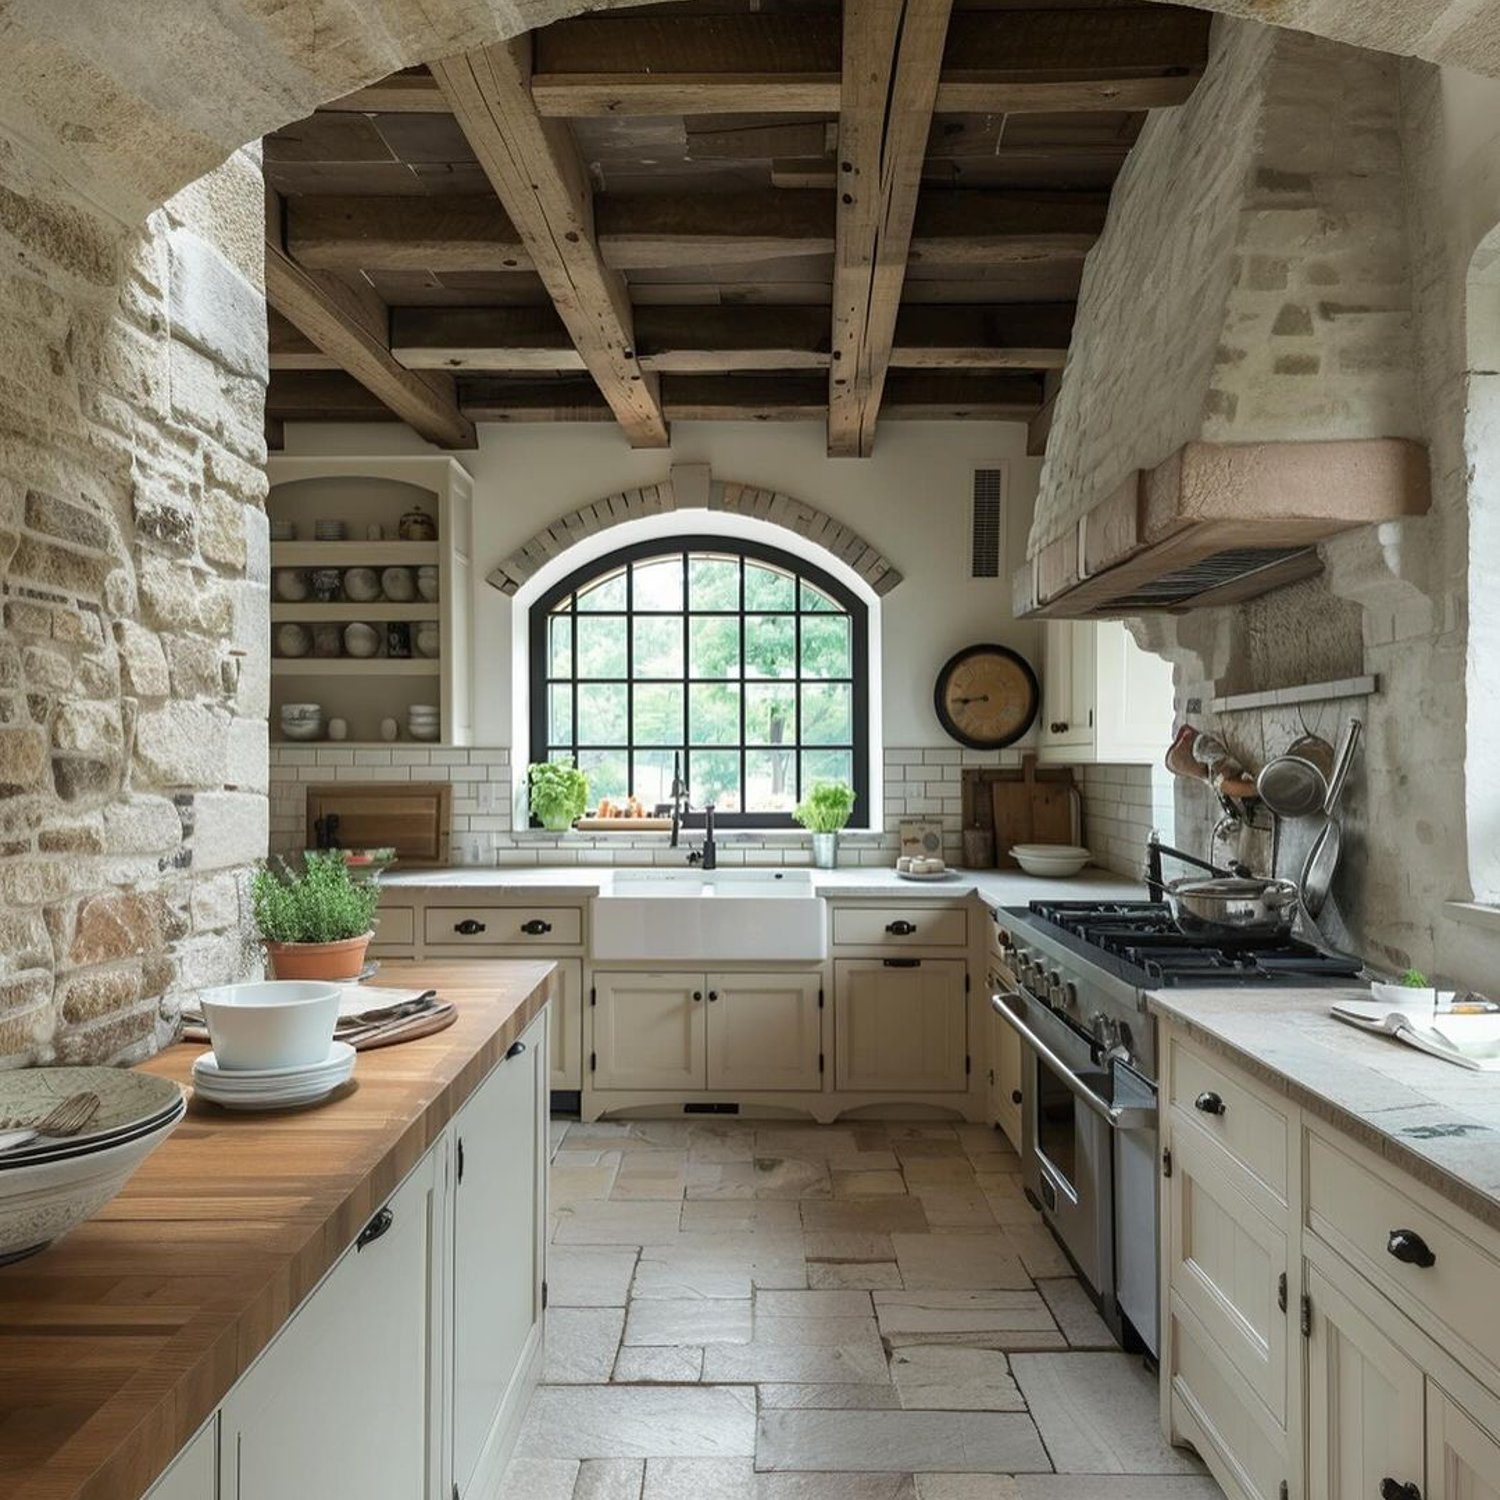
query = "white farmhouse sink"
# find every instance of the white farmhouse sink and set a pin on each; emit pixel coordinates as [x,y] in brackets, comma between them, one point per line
[702,917]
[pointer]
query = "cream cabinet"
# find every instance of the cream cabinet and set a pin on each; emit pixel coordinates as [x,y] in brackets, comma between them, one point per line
[565,1027]
[1104,700]
[194,1473]
[1003,1093]
[690,1031]
[900,1025]
[1463,1460]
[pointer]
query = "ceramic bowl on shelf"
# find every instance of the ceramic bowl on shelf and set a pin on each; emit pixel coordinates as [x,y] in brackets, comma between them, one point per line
[291,585]
[361,640]
[1056,861]
[277,1023]
[293,639]
[328,640]
[427,582]
[313,731]
[331,531]
[283,531]
[294,713]
[428,638]
[362,585]
[398,585]
[417,525]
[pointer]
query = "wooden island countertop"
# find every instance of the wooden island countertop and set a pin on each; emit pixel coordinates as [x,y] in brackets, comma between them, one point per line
[118,1342]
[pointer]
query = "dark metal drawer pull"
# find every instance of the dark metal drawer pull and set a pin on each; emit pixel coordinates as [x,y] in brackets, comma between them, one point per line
[901,928]
[697,994]
[374,1229]
[1410,1248]
[468,927]
[1393,1489]
[1016,1096]
[514,1050]
[1209,1103]
[902,963]
[713,995]
[536,927]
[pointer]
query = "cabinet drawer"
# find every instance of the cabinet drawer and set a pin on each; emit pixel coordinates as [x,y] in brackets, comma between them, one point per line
[909,926]
[1236,1115]
[491,926]
[395,927]
[1358,1212]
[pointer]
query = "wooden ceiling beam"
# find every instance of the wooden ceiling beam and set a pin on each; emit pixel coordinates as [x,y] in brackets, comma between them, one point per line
[322,396]
[352,328]
[1013,336]
[534,167]
[893,51]
[291,349]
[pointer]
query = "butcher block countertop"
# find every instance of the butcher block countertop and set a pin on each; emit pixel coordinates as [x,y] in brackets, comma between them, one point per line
[118,1342]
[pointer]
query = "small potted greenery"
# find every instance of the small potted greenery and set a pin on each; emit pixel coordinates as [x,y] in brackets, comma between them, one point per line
[823,811]
[559,794]
[316,923]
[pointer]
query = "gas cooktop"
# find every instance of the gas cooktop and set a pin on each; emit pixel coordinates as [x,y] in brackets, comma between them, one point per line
[1139,942]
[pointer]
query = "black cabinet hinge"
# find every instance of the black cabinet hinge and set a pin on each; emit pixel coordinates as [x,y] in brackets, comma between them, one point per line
[820,1062]
[544,1296]
[1306,1316]
[593,995]
[1166,1162]
[968,982]
[1281,1291]
[820,999]
[460,1158]
[968,1064]
[1285,1490]
[455,1490]
[593,1062]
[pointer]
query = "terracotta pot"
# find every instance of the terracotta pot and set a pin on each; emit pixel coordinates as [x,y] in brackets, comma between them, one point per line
[331,961]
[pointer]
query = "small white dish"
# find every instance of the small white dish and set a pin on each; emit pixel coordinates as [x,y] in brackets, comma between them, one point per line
[398,585]
[427,582]
[361,640]
[428,638]
[278,1023]
[291,585]
[281,1088]
[362,585]
[293,639]
[1052,861]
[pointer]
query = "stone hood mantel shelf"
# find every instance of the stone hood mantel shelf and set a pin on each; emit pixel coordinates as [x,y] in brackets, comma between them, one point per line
[1220,523]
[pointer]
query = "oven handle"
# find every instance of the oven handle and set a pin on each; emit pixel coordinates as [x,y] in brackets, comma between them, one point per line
[1119,1119]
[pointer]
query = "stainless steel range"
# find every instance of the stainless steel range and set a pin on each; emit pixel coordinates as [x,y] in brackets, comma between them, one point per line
[1079,973]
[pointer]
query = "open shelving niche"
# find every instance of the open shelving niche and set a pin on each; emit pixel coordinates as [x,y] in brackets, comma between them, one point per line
[363,492]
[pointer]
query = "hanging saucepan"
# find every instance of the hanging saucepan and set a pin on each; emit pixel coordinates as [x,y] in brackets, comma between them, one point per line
[1230,908]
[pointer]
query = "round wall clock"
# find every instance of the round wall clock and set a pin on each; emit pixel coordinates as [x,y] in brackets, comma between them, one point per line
[986,697]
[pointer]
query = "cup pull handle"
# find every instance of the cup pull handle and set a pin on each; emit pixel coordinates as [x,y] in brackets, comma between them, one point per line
[375,1229]
[1410,1249]
[536,927]
[1209,1103]
[468,927]
[901,928]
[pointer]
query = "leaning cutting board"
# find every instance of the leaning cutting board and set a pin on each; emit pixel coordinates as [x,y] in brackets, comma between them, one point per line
[1032,809]
[411,817]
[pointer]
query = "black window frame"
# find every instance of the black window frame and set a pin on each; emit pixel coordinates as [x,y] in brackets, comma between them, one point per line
[539,649]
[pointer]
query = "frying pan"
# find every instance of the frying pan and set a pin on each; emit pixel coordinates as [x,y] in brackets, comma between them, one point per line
[1295,784]
[1323,858]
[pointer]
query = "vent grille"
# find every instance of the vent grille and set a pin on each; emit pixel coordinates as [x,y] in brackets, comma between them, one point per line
[985,523]
[1211,573]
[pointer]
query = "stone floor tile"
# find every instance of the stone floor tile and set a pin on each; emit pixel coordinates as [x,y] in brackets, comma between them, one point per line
[695,1320]
[928,1148]
[587,1179]
[870,1397]
[975,1261]
[946,1377]
[702,1264]
[618,1224]
[868,1184]
[796,1364]
[805,1333]
[721,1141]
[865,1161]
[938,1172]
[806,1142]
[1039,1252]
[968,1487]
[834,1487]
[610,1479]
[848,1245]
[762,1177]
[556,1130]
[882,1441]
[539,1479]
[581,1344]
[869,1274]
[854,1304]
[1098,1414]
[910,1316]
[658,1364]
[639,1421]
[921,1130]
[1075,1313]
[955,1208]
[646,1175]
[872,1215]
[1007,1198]
[734,1216]
[1117,1487]
[700,1479]
[589,1275]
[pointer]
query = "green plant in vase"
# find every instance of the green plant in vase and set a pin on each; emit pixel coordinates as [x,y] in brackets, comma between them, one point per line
[825,810]
[316,923]
[559,794]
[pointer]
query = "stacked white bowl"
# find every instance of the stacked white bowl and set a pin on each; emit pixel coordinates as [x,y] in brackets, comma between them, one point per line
[49,1184]
[302,721]
[273,1045]
[330,531]
[424,721]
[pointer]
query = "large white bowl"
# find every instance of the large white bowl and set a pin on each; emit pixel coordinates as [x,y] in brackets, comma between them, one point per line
[38,1203]
[1055,861]
[278,1023]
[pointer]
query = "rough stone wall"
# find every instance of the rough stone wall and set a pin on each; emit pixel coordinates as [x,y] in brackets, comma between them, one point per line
[1251,282]
[133,617]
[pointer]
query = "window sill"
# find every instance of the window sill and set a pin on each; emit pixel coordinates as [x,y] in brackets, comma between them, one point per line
[790,837]
[1474,914]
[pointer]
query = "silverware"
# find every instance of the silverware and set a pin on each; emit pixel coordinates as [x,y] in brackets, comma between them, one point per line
[1323,858]
[63,1120]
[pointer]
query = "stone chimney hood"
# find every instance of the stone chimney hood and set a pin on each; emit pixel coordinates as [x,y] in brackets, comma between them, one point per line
[1219,523]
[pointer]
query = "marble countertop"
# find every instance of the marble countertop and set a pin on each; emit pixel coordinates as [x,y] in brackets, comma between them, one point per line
[994,887]
[1430,1118]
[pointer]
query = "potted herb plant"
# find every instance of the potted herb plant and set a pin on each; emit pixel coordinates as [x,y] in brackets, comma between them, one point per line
[316,923]
[823,811]
[559,794]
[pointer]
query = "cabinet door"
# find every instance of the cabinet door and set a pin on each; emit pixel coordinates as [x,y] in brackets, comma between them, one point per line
[565,1027]
[1133,711]
[194,1473]
[498,1200]
[340,1403]
[649,1031]
[1463,1460]
[1364,1403]
[1005,1078]
[899,1025]
[1067,683]
[765,1031]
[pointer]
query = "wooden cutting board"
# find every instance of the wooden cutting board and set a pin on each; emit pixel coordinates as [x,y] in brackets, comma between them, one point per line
[1029,809]
[411,817]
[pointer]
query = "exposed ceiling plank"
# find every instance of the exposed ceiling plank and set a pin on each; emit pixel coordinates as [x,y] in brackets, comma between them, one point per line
[534,167]
[1013,336]
[322,396]
[414,92]
[291,349]
[893,50]
[492,339]
[352,327]
[661,231]
[1002,62]
[578,400]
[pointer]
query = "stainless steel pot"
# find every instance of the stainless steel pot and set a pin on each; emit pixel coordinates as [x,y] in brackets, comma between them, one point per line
[1223,908]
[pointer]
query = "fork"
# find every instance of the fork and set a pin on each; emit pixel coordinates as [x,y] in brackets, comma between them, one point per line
[69,1117]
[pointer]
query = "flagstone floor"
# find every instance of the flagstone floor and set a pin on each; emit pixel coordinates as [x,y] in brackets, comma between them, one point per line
[747,1310]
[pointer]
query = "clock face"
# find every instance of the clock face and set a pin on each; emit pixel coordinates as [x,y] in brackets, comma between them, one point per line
[986,697]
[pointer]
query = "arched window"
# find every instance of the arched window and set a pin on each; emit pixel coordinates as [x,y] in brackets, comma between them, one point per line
[746,662]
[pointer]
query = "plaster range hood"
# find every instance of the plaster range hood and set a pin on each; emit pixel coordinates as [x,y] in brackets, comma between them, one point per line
[1220,523]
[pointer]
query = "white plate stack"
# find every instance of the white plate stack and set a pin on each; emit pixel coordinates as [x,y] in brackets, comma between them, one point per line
[424,721]
[330,531]
[272,1088]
